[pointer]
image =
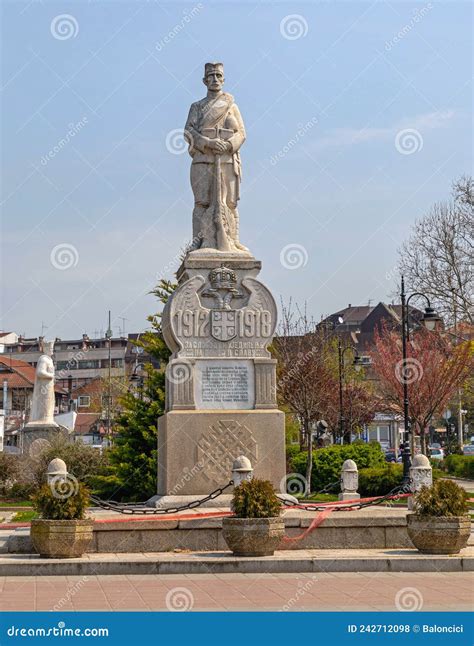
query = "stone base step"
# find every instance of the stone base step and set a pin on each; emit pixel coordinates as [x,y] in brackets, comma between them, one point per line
[224,563]
[376,528]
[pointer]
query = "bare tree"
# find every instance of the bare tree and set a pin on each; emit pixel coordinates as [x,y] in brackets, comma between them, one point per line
[304,374]
[438,257]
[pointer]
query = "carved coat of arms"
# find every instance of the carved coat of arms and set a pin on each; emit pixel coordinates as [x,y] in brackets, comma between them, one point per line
[223,324]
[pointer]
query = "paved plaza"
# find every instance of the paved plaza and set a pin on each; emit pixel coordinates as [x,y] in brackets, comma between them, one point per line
[437,591]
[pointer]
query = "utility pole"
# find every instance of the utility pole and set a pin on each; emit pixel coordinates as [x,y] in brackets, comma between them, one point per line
[460,419]
[123,319]
[108,336]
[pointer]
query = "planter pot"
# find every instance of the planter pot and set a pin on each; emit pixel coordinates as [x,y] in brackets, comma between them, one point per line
[61,539]
[445,535]
[253,536]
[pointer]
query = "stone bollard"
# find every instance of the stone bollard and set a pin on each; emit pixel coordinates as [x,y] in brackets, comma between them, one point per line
[57,470]
[349,481]
[421,474]
[241,470]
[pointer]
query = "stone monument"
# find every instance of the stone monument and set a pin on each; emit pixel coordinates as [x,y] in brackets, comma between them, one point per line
[41,423]
[221,378]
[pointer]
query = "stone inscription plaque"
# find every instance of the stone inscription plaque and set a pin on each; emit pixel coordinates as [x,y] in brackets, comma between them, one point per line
[224,385]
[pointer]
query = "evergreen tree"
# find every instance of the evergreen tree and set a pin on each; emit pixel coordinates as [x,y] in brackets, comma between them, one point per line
[133,457]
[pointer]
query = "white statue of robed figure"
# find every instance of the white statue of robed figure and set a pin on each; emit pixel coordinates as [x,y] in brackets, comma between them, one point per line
[42,405]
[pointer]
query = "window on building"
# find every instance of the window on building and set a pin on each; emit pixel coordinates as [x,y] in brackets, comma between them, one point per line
[89,364]
[380,433]
[83,401]
[115,363]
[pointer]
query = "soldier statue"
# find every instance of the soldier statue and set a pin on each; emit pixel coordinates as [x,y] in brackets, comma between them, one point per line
[215,132]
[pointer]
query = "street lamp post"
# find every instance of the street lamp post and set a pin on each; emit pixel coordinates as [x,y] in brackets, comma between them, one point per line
[341,350]
[430,321]
[137,379]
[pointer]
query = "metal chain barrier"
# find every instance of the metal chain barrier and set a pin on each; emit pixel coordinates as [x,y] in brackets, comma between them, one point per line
[397,492]
[141,508]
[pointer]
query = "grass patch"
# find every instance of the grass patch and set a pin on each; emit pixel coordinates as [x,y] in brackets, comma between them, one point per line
[24,516]
[319,497]
[15,503]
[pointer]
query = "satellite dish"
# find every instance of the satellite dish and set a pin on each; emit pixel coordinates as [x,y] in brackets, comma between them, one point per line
[340,319]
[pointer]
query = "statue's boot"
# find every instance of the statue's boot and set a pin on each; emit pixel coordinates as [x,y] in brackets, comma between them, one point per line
[238,245]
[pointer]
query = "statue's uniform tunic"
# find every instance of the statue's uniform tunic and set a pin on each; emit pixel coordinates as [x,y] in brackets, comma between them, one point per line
[211,118]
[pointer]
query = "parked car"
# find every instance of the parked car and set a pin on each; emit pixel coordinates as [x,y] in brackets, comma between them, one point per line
[468,449]
[436,454]
[435,445]
[391,456]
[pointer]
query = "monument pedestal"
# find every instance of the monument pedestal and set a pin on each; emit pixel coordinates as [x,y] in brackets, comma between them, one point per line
[220,380]
[35,436]
[196,450]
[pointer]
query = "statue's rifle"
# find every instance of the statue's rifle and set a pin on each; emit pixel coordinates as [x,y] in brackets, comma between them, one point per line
[220,214]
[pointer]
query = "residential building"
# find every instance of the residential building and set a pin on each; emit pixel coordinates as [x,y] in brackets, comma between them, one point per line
[358,326]
[82,359]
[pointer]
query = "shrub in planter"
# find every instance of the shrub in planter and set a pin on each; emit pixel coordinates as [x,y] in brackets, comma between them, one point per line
[256,529]
[440,523]
[62,531]
[328,461]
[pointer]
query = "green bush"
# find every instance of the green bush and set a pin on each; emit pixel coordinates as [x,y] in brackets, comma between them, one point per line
[20,491]
[255,499]
[106,486]
[82,461]
[9,469]
[327,462]
[461,466]
[292,451]
[52,503]
[443,498]
[380,481]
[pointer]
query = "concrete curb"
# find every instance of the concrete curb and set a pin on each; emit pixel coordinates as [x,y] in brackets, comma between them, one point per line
[224,563]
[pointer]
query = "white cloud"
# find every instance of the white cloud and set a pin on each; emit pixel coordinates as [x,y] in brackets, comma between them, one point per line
[352,136]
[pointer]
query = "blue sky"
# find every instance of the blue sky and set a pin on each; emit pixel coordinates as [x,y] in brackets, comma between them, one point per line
[358,118]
